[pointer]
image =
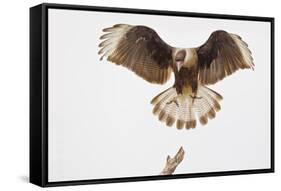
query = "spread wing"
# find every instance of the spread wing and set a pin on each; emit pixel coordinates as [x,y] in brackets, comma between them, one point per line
[139,49]
[222,54]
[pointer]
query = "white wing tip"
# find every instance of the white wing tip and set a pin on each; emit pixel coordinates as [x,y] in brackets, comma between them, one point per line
[246,52]
[111,38]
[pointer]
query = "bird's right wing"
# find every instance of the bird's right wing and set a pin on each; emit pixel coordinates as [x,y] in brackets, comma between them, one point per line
[221,55]
[139,49]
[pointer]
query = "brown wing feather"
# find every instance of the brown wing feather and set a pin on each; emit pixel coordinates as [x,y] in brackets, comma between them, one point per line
[139,49]
[222,55]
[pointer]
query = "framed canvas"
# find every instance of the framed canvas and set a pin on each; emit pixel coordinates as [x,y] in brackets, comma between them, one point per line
[122,95]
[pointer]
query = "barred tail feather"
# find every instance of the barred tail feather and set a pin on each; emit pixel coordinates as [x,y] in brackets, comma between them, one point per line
[183,110]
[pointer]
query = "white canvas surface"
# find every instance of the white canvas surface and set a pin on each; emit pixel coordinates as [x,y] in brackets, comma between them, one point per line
[100,117]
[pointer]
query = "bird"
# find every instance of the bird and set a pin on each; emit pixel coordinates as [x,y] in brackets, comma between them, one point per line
[141,50]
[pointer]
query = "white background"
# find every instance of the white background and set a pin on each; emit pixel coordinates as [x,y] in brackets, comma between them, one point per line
[14,98]
[100,117]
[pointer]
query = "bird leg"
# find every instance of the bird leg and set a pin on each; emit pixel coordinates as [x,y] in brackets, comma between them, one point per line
[174,100]
[194,96]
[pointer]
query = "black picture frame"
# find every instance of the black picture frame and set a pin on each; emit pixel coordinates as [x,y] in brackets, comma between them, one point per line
[39,93]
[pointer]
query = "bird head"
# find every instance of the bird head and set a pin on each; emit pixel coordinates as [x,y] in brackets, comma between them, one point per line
[185,58]
[180,59]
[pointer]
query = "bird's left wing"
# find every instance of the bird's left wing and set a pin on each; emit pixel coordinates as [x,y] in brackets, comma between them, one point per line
[221,55]
[139,49]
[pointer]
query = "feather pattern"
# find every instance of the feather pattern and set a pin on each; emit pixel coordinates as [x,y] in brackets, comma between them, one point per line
[139,49]
[183,109]
[222,54]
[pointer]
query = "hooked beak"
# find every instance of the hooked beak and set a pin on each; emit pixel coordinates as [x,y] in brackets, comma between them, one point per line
[179,65]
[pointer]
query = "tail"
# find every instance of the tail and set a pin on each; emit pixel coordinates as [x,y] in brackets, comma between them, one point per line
[185,110]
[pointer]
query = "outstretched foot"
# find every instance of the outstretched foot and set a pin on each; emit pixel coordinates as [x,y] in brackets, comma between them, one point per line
[195,97]
[174,100]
